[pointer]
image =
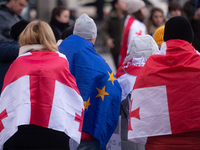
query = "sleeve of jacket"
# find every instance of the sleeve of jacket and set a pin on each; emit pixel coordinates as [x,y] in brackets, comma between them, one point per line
[9,51]
[105,31]
[4,31]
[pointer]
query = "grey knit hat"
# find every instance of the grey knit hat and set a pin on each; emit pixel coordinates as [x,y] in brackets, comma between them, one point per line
[85,27]
[134,6]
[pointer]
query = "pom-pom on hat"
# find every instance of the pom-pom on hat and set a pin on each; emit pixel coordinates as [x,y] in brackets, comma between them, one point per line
[159,35]
[178,28]
[85,27]
[134,6]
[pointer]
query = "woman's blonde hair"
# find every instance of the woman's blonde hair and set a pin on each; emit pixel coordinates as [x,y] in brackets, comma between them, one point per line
[38,32]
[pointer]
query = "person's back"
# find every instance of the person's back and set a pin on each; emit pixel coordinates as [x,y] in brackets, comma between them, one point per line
[133,26]
[99,88]
[166,93]
[140,48]
[39,95]
[9,15]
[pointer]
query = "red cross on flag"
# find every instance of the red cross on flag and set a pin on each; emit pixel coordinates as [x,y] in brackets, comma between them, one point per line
[39,89]
[166,97]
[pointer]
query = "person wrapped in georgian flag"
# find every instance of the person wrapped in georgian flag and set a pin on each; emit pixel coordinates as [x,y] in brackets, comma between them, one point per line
[165,101]
[139,50]
[40,104]
[133,26]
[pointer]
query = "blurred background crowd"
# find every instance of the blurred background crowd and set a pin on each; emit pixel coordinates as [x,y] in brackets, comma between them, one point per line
[157,13]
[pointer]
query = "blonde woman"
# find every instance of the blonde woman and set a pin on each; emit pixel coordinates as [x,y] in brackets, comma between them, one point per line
[41,106]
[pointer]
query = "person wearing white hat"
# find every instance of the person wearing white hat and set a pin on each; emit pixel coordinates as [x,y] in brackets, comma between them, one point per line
[133,26]
[139,50]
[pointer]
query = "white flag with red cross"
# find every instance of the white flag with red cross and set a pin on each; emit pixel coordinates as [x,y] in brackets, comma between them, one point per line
[39,89]
[166,97]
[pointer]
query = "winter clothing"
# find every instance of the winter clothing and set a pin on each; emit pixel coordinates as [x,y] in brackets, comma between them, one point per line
[8,53]
[181,141]
[177,68]
[134,6]
[112,27]
[17,29]
[85,27]
[189,10]
[58,27]
[7,18]
[178,28]
[92,73]
[140,48]
[35,137]
[159,36]
[37,127]
[133,27]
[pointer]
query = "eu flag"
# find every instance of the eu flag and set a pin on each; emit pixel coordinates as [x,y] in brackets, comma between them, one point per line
[98,86]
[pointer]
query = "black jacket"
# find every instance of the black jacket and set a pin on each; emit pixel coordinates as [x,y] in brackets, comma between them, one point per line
[8,53]
[58,28]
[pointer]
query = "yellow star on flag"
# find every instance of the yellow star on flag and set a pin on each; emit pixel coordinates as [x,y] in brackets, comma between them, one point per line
[112,78]
[87,104]
[102,93]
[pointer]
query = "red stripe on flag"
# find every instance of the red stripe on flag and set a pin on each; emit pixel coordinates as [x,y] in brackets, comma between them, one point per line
[2,116]
[130,69]
[41,61]
[179,70]
[42,93]
[124,47]
[44,69]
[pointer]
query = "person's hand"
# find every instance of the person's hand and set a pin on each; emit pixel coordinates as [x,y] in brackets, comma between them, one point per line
[197,14]
[110,43]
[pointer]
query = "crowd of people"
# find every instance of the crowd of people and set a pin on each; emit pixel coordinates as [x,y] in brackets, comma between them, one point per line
[56,87]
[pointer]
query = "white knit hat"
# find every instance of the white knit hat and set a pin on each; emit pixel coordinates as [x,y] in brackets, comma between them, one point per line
[85,27]
[141,46]
[135,5]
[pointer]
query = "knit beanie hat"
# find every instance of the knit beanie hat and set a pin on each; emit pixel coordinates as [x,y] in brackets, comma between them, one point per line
[158,35]
[178,28]
[17,29]
[141,46]
[85,27]
[134,6]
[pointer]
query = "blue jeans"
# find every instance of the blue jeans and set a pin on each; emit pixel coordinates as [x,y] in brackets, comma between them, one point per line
[89,145]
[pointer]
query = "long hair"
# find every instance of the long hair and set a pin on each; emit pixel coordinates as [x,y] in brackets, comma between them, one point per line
[38,32]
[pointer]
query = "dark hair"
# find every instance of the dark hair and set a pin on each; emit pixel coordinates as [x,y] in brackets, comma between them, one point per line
[174,5]
[138,15]
[153,10]
[67,32]
[57,11]
[113,3]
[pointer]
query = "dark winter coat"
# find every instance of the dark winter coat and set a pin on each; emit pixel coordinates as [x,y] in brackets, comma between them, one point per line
[8,53]
[58,28]
[112,27]
[7,18]
[189,10]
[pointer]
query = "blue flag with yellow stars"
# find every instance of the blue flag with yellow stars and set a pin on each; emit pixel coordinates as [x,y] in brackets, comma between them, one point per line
[98,86]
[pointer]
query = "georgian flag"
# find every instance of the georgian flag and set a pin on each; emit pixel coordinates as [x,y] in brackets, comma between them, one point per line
[166,94]
[126,76]
[39,89]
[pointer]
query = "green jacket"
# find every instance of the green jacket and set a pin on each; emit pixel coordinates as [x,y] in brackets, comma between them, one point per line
[112,27]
